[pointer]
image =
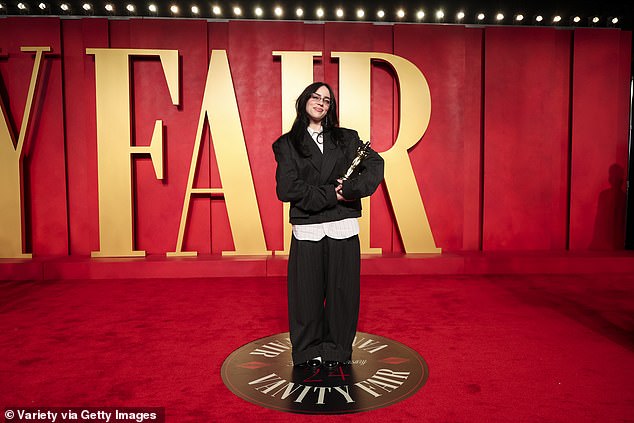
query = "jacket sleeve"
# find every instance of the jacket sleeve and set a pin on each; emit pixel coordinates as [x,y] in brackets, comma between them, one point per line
[368,176]
[290,188]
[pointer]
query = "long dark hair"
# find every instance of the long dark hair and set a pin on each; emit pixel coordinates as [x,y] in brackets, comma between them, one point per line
[330,123]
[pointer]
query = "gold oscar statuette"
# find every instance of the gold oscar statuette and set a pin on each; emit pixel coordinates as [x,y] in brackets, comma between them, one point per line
[362,152]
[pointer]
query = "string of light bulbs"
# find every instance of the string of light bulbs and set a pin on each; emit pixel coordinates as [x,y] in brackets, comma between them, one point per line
[299,13]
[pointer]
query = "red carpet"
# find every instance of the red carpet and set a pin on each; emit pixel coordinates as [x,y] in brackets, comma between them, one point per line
[521,348]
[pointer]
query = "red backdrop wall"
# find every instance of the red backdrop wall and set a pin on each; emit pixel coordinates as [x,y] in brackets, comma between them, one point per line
[526,148]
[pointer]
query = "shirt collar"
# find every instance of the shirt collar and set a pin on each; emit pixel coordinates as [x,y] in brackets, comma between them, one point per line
[312,132]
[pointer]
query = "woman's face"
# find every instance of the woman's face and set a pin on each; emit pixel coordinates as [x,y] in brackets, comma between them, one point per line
[318,104]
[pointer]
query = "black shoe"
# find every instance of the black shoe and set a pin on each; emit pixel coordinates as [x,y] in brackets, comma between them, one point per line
[310,363]
[331,364]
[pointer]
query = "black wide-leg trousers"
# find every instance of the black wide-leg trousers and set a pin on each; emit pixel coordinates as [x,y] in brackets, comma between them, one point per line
[323,298]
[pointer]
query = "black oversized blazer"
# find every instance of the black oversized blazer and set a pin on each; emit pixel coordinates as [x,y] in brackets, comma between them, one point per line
[308,183]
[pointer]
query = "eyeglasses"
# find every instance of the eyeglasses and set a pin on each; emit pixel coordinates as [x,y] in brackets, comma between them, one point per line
[319,98]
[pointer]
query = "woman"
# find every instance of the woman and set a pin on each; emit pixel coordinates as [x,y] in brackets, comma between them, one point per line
[324,261]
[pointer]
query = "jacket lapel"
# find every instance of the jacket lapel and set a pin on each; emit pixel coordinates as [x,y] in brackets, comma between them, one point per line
[316,157]
[329,157]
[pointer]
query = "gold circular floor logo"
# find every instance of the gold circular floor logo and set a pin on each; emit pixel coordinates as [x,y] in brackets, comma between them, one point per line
[382,372]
